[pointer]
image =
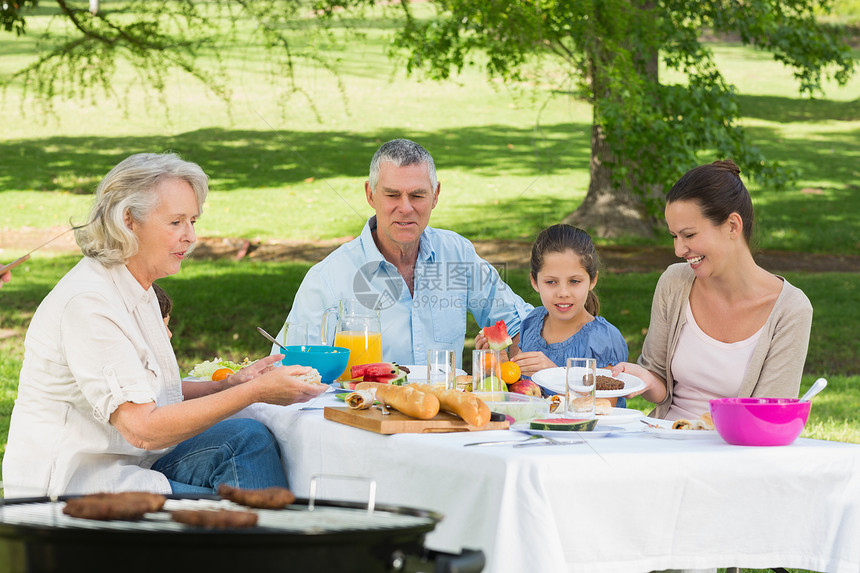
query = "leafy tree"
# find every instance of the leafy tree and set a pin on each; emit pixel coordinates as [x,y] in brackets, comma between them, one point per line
[644,133]
[87,40]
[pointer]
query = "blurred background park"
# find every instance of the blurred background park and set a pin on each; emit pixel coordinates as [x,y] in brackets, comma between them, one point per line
[287,163]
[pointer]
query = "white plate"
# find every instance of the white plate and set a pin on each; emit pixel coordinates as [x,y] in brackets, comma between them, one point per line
[664,430]
[597,432]
[553,379]
[619,416]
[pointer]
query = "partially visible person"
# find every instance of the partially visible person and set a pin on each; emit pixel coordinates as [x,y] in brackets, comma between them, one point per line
[5,278]
[423,280]
[721,325]
[101,406]
[165,305]
[564,271]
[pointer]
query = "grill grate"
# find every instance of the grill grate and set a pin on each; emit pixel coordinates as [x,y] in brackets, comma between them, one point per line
[297,520]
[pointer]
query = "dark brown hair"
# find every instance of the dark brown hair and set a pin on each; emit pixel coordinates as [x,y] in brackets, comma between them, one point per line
[165,303]
[718,190]
[560,238]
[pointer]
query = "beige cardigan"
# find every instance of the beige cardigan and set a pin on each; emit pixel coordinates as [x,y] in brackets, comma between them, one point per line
[777,362]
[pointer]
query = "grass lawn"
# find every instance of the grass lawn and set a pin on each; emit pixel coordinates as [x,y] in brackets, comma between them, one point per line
[511,159]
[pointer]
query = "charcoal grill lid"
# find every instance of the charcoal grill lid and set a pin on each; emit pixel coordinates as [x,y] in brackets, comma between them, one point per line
[329,518]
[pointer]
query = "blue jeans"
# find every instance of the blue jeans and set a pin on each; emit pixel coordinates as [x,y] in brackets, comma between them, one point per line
[240,452]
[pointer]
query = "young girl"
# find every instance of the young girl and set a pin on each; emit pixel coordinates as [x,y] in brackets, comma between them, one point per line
[165,303]
[564,267]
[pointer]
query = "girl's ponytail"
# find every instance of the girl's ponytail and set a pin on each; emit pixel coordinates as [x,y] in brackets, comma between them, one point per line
[592,304]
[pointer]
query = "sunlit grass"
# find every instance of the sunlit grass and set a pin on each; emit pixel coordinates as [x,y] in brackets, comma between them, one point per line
[511,159]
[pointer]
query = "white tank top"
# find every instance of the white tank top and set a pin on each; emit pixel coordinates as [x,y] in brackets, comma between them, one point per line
[705,368]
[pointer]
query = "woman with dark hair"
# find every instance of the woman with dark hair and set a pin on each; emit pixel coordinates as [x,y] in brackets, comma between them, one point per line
[721,325]
[101,405]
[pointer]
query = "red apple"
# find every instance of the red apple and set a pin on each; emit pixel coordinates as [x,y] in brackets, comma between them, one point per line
[526,387]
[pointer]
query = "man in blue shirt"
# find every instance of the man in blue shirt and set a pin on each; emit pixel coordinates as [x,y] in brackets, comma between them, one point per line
[421,280]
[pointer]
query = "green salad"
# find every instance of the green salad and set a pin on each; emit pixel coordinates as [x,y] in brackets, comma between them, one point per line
[205,369]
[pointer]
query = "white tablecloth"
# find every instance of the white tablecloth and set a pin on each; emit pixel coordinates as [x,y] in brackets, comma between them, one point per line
[624,503]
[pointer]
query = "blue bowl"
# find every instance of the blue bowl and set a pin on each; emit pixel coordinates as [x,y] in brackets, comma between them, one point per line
[330,361]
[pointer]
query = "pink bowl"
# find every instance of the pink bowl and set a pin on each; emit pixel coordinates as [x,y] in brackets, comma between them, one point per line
[759,421]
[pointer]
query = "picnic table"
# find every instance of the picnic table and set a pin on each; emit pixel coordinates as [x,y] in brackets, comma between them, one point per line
[628,501]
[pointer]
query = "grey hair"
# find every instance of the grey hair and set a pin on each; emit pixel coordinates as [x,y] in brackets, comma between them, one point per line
[400,153]
[129,188]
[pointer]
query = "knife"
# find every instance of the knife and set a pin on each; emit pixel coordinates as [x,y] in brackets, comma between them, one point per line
[548,443]
[506,442]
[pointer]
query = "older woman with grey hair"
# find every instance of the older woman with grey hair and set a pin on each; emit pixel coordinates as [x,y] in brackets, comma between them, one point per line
[101,405]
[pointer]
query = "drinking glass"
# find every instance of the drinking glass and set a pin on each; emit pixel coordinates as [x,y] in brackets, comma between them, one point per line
[441,368]
[486,371]
[294,334]
[580,384]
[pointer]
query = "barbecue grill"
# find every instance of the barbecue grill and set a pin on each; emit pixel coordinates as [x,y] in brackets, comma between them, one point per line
[35,536]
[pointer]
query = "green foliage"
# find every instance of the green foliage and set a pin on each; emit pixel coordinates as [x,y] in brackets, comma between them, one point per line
[11,19]
[80,53]
[609,50]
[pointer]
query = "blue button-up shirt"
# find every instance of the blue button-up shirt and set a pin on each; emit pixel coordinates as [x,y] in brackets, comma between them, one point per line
[450,279]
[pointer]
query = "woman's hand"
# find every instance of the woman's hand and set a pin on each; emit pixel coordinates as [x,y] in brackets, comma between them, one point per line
[154,427]
[281,387]
[531,362]
[251,371]
[655,387]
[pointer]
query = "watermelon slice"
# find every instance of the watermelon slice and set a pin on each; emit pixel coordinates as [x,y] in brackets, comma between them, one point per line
[497,336]
[563,424]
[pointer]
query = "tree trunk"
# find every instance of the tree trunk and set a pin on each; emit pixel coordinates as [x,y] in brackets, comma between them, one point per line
[609,211]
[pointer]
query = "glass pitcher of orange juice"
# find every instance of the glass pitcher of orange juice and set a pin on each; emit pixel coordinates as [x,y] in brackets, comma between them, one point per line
[358,329]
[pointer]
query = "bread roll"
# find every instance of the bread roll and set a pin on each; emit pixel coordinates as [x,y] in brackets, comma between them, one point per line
[602,406]
[472,409]
[406,399]
[463,382]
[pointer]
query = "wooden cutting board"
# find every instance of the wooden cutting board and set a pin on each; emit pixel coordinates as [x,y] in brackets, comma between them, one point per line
[397,423]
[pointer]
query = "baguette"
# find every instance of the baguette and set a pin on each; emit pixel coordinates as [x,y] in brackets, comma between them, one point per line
[472,409]
[407,399]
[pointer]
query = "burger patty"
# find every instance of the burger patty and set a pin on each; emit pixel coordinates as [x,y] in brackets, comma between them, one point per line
[131,505]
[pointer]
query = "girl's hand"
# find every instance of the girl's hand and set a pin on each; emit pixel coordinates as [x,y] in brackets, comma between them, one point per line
[531,362]
[481,341]
[655,387]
